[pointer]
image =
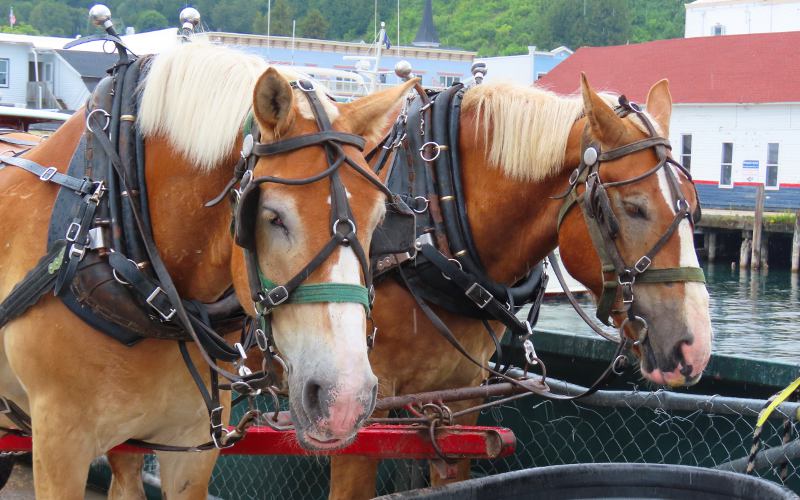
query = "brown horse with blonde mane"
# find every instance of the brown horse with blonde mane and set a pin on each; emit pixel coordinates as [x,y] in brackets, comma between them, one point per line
[519,148]
[84,391]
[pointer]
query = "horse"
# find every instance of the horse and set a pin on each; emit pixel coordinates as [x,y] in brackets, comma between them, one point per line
[529,145]
[85,392]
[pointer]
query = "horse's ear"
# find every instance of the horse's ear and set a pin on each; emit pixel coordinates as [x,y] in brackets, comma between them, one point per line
[607,127]
[371,116]
[659,105]
[273,102]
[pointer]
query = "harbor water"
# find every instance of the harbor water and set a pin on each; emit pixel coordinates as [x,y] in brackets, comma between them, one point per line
[753,314]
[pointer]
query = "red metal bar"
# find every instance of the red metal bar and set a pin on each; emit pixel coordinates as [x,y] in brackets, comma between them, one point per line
[375,441]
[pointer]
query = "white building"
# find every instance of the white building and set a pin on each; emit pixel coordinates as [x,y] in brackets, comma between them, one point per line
[741,17]
[35,71]
[523,69]
[736,113]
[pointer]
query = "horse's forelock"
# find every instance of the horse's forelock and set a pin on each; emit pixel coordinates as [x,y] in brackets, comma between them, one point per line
[197,96]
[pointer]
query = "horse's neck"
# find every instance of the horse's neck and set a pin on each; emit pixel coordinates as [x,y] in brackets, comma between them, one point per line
[194,241]
[513,222]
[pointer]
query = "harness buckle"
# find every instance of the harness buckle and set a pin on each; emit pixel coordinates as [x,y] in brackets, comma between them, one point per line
[151,302]
[261,340]
[73,231]
[277,296]
[48,174]
[215,417]
[77,251]
[479,295]
[642,264]
[4,406]
[682,205]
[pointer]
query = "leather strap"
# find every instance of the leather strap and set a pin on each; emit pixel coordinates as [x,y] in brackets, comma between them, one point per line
[50,174]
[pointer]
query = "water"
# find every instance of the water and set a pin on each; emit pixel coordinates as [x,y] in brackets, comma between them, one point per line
[755,315]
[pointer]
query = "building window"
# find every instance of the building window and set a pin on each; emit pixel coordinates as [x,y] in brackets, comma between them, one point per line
[3,72]
[718,30]
[447,81]
[772,165]
[726,167]
[686,151]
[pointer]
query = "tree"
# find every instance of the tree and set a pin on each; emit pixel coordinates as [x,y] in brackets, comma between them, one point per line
[282,15]
[56,19]
[150,20]
[313,25]
[233,16]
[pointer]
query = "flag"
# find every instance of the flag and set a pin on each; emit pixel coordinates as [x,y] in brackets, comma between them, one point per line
[12,19]
[386,41]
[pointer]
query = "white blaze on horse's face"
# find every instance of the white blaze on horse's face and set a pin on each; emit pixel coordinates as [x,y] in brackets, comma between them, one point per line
[693,313]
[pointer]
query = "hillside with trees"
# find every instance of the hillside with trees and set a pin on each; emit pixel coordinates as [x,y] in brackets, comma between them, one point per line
[491,27]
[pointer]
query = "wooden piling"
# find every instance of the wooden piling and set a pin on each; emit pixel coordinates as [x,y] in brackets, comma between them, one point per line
[796,243]
[755,259]
[745,251]
[711,245]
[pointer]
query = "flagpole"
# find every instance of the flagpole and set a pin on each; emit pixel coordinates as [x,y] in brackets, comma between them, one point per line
[269,19]
[398,24]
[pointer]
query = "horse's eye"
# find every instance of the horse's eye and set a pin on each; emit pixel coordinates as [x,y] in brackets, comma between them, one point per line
[275,220]
[635,210]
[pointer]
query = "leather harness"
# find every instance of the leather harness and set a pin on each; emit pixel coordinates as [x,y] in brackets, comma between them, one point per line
[445,267]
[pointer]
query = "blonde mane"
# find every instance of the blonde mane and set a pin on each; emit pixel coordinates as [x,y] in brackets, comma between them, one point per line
[197,96]
[527,127]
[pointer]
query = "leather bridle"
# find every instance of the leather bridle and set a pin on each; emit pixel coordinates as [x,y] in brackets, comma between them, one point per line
[604,226]
[266,294]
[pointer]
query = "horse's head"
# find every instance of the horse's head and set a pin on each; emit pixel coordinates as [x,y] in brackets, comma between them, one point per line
[635,220]
[313,204]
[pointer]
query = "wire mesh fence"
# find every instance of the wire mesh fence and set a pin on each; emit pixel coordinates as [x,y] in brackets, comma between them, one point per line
[633,427]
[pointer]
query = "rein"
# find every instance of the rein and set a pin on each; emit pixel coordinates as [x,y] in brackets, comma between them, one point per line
[618,277]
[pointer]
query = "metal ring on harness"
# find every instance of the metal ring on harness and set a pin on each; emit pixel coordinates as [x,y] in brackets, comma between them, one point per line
[436,146]
[301,85]
[116,276]
[642,332]
[334,229]
[456,262]
[425,208]
[89,117]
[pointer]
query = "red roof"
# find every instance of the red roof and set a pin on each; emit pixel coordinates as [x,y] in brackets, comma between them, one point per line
[757,68]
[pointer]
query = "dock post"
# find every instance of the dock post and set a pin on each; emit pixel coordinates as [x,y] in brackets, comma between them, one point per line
[745,251]
[796,243]
[755,259]
[711,245]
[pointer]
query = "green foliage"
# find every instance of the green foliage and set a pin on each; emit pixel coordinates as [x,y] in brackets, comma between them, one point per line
[20,29]
[490,27]
[150,20]
[313,25]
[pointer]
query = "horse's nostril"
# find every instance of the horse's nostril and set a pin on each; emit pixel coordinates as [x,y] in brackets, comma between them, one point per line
[686,371]
[315,402]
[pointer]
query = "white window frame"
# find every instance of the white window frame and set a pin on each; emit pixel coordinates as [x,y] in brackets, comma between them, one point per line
[684,153]
[777,163]
[448,80]
[724,164]
[7,72]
